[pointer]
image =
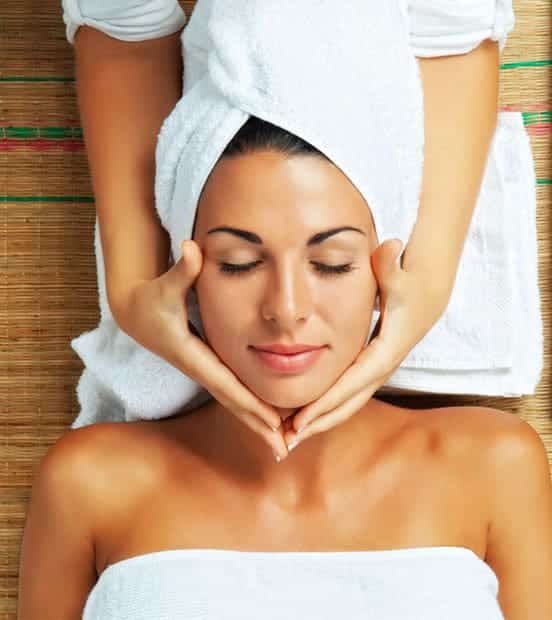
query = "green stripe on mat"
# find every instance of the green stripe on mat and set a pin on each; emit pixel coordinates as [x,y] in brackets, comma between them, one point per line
[41,132]
[526,63]
[76,132]
[537,117]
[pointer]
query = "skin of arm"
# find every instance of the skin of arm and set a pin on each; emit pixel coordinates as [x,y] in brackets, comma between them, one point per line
[125,90]
[460,116]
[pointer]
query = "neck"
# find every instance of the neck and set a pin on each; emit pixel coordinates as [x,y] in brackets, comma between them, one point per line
[313,469]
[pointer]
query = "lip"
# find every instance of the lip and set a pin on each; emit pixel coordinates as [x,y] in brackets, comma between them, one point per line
[284,349]
[289,363]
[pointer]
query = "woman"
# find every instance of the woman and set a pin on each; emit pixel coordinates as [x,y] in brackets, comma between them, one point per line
[394,513]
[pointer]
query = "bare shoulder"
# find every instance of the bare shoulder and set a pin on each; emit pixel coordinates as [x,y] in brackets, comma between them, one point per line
[480,441]
[58,548]
[102,454]
[74,457]
[76,472]
[509,439]
[105,468]
[501,440]
[113,468]
[474,426]
[86,447]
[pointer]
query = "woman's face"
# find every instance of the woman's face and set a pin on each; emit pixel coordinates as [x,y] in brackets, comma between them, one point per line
[283,295]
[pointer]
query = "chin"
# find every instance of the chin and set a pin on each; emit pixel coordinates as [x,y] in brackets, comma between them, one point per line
[283,403]
[287,402]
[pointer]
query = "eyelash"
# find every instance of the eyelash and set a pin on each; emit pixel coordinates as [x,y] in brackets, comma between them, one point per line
[324,270]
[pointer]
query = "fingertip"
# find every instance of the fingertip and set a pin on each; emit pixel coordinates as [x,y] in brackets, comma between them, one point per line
[300,428]
[275,426]
[397,249]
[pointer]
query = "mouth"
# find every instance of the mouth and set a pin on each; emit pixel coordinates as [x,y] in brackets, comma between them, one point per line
[288,363]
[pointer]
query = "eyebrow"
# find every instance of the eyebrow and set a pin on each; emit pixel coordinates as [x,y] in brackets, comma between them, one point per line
[253,238]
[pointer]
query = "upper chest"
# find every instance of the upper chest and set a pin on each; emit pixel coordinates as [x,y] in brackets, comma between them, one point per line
[425,489]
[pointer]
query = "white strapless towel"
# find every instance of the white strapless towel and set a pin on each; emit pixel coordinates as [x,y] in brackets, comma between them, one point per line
[423,583]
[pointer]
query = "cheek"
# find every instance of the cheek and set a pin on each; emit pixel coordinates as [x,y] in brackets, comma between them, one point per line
[350,306]
[223,321]
[351,295]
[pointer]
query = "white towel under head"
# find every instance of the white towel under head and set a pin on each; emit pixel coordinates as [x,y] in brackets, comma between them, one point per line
[490,339]
[367,117]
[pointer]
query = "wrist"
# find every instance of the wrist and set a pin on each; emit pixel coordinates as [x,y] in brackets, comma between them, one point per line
[121,302]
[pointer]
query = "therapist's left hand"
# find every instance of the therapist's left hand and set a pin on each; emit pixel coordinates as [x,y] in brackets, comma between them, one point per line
[410,304]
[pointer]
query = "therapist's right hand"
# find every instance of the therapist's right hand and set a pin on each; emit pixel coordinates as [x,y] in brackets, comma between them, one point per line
[156,317]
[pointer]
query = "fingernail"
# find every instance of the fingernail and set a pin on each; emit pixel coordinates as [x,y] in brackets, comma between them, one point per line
[277,457]
[273,427]
[292,445]
[300,429]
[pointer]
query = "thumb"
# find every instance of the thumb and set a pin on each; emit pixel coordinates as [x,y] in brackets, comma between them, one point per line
[384,259]
[188,266]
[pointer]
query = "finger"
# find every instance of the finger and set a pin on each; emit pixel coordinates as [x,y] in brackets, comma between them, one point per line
[191,260]
[208,370]
[274,440]
[384,258]
[180,277]
[393,340]
[370,367]
[335,417]
[387,271]
[377,328]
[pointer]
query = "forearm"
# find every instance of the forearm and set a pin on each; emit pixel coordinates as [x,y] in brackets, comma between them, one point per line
[125,91]
[460,114]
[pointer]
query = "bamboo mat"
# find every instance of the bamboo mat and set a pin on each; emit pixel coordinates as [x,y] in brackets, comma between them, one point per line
[48,289]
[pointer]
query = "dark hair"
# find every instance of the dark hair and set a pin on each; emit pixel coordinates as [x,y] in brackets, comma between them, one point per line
[257,134]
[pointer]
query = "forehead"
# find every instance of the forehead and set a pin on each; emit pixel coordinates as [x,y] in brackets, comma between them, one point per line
[267,188]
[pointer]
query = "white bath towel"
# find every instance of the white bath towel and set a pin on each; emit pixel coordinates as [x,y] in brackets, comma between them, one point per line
[409,583]
[237,66]
[496,289]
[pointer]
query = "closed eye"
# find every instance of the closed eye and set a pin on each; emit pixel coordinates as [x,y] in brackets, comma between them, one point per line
[324,270]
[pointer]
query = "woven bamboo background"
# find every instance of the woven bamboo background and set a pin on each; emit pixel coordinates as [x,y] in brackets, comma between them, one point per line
[48,289]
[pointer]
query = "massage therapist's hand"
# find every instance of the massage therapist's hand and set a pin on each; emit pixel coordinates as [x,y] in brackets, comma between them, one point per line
[157,318]
[409,307]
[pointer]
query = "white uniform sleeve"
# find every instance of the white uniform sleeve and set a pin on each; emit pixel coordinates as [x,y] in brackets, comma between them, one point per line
[127,20]
[447,27]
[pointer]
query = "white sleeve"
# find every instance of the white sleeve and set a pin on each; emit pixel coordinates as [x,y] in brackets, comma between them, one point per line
[127,20]
[447,27]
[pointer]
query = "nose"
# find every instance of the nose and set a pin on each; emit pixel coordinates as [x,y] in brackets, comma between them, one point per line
[287,297]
